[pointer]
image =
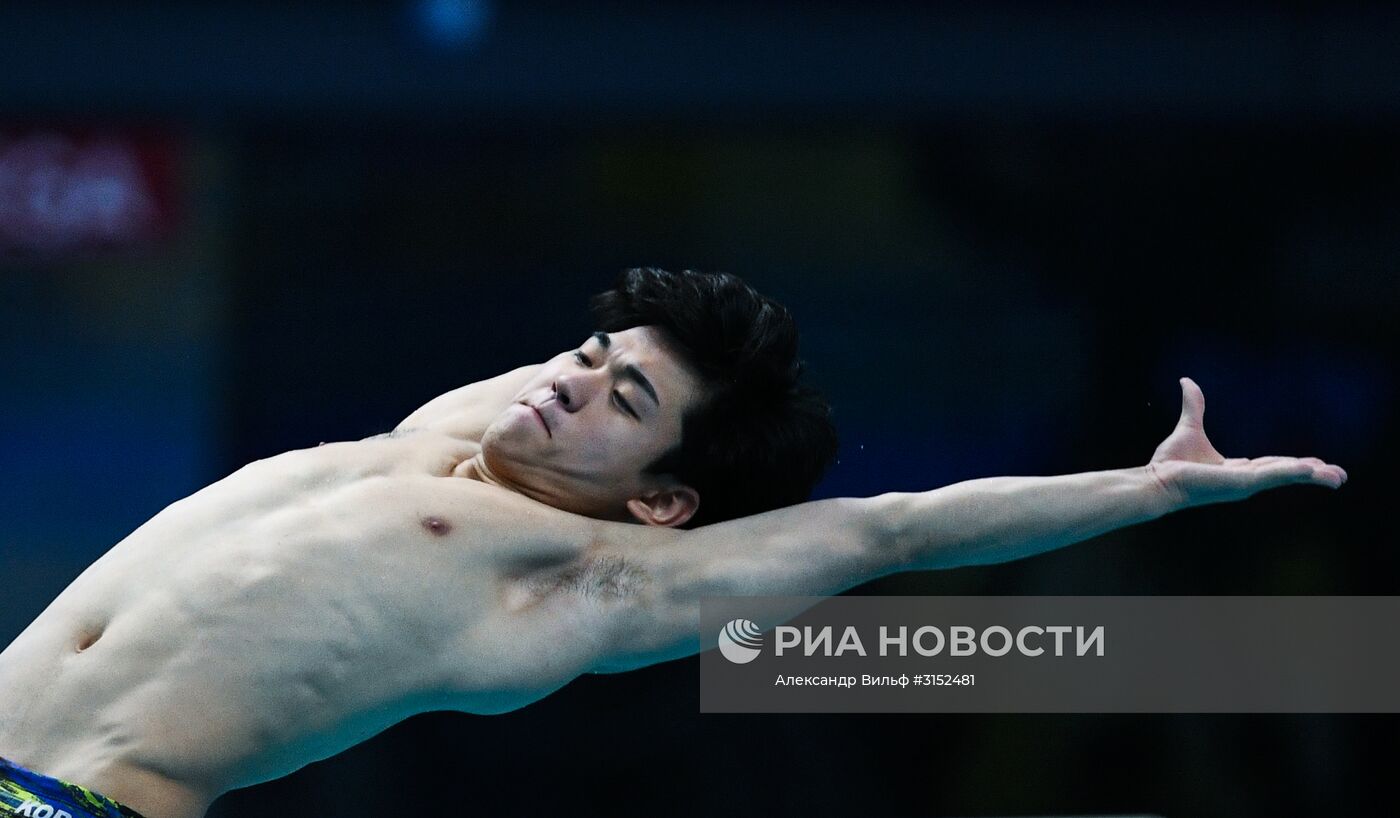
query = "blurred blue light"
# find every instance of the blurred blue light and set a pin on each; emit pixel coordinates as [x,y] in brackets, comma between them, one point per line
[452,23]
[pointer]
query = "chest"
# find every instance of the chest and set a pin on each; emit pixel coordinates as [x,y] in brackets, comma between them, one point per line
[382,508]
[320,473]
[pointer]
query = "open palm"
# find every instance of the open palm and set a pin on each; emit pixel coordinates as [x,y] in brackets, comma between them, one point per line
[1194,473]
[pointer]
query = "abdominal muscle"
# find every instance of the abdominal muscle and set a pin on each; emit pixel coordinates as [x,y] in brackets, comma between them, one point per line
[281,615]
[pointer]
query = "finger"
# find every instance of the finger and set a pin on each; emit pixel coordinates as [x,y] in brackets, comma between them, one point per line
[1329,476]
[1193,404]
[1323,466]
[1282,472]
[1320,467]
[1292,470]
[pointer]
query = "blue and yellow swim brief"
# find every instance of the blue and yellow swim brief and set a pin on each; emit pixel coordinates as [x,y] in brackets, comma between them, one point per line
[26,794]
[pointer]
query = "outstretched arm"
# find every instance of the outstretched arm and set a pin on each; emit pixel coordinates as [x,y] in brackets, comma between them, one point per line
[467,410]
[998,519]
[828,546]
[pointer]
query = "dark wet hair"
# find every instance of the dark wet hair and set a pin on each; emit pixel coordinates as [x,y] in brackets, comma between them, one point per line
[758,439]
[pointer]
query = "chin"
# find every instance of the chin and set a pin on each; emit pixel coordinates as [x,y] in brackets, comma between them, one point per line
[503,435]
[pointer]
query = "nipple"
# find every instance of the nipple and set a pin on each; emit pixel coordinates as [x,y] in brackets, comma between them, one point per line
[437,526]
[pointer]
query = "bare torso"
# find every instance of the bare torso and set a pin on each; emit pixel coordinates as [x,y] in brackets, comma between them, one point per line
[293,609]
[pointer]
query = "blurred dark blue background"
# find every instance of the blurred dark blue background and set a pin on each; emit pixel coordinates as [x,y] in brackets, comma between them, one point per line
[227,230]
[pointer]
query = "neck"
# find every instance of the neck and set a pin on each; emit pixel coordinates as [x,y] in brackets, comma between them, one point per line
[475,468]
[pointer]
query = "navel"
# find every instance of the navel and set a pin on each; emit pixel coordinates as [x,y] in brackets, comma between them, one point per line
[88,637]
[436,526]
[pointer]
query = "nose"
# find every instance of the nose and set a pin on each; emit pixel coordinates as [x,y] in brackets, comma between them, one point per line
[575,391]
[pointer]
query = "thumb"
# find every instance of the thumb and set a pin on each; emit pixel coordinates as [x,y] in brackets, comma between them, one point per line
[1193,405]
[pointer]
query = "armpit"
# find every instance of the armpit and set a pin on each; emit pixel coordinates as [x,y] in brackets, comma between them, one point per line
[599,577]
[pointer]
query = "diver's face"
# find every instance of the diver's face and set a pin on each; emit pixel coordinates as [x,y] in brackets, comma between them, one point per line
[579,434]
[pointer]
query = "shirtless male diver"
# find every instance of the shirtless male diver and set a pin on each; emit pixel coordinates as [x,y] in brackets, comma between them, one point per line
[509,536]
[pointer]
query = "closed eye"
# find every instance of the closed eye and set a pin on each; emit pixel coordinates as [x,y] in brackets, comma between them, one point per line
[621,402]
[624,405]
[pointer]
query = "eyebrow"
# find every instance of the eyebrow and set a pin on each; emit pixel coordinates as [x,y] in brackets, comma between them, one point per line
[635,375]
[631,371]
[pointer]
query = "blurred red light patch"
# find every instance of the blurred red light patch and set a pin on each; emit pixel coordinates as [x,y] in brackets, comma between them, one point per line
[69,191]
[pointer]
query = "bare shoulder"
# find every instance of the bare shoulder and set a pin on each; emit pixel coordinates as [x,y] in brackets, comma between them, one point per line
[467,410]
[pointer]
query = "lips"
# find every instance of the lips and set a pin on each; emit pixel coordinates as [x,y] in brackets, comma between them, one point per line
[543,423]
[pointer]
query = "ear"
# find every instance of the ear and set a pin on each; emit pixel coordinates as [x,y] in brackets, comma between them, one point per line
[668,507]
